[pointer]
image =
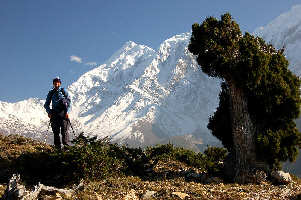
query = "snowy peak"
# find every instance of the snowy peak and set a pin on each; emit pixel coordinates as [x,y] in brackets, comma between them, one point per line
[285,31]
[107,81]
[173,45]
[125,56]
[29,110]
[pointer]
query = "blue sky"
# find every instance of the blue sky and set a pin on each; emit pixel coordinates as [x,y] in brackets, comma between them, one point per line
[41,39]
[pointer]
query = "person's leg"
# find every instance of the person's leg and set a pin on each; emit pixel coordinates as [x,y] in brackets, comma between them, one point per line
[55,125]
[64,132]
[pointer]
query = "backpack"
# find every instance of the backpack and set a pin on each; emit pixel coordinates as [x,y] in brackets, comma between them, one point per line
[64,103]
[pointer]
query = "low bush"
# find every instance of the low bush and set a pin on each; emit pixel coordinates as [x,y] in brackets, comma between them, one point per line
[211,160]
[215,157]
[88,158]
[170,152]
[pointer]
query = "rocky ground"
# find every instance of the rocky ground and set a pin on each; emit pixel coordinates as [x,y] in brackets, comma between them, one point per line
[135,188]
[177,188]
[168,180]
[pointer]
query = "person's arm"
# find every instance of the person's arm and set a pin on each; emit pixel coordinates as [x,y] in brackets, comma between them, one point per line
[47,104]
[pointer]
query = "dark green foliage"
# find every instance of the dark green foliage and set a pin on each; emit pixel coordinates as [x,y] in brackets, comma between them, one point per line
[216,44]
[279,145]
[134,159]
[215,157]
[92,158]
[211,160]
[216,154]
[219,123]
[170,152]
[261,72]
[88,158]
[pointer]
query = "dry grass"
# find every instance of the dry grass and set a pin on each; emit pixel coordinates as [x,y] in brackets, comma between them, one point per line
[164,189]
[13,146]
[2,189]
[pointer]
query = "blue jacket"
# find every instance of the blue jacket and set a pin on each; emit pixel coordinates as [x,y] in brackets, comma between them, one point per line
[55,96]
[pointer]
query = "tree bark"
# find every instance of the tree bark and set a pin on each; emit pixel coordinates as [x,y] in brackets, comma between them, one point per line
[243,130]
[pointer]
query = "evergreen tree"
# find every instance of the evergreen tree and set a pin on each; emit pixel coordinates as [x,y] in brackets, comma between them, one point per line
[259,100]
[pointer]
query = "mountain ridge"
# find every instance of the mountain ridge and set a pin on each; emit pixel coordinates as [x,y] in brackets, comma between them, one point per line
[285,32]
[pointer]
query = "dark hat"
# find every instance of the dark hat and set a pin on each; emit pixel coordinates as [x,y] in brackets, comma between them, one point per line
[56,79]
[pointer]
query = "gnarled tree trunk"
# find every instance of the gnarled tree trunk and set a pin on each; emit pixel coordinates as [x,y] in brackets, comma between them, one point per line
[243,130]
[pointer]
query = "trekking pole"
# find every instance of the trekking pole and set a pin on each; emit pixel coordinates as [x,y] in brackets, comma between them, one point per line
[47,131]
[48,125]
[72,128]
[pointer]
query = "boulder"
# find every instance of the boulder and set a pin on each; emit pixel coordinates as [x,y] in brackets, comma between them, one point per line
[15,190]
[131,195]
[148,195]
[181,195]
[281,177]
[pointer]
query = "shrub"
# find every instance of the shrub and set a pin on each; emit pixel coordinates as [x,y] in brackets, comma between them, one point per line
[215,157]
[89,158]
[211,160]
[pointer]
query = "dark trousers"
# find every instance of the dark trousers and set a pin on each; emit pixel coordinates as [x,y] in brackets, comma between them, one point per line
[60,125]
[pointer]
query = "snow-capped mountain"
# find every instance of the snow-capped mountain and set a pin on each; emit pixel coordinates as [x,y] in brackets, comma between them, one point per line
[139,96]
[26,118]
[285,32]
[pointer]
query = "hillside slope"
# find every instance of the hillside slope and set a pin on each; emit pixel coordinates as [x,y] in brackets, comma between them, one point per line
[169,179]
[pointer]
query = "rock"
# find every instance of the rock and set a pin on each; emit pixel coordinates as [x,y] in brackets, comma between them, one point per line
[149,171]
[260,177]
[58,196]
[193,176]
[98,197]
[180,195]
[215,180]
[148,195]
[281,177]
[131,196]
[80,186]
[203,177]
[15,190]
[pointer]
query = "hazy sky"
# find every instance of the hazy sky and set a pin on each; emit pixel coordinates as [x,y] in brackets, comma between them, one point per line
[41,39]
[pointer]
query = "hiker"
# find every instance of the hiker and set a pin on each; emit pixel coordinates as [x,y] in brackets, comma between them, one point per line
[58,114]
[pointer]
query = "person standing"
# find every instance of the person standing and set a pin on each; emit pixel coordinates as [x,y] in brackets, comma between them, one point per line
[58,114]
